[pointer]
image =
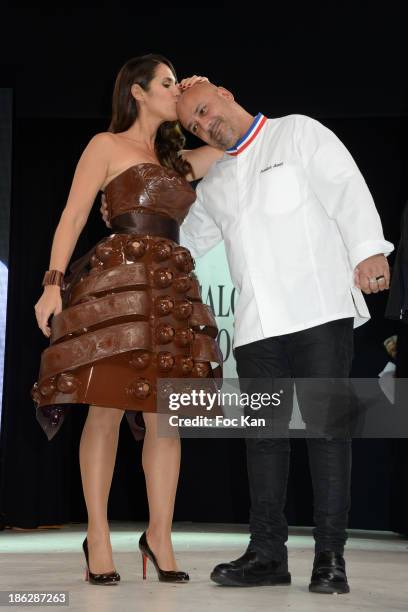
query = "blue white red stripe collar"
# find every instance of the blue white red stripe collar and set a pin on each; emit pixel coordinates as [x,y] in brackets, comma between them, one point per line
[249,136]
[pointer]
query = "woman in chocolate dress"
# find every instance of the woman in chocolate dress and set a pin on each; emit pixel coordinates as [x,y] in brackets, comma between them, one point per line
[130,310]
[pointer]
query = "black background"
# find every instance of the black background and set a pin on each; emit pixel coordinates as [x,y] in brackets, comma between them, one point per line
[342,64]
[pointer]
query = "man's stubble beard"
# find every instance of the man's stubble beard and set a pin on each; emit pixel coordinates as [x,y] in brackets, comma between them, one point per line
[226,139]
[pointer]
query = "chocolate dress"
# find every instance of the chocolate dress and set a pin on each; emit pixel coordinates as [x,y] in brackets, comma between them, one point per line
[132,311]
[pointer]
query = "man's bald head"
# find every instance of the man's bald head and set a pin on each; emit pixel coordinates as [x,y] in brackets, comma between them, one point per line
[192,95]
[211,113]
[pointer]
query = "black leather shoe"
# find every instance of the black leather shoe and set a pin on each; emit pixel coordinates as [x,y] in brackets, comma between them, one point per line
[329,573]
[248,570]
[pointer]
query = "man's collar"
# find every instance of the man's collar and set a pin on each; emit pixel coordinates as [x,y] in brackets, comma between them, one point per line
[249,136]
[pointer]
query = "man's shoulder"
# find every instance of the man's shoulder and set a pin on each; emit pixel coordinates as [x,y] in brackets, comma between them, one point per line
[295,119]
[298,128]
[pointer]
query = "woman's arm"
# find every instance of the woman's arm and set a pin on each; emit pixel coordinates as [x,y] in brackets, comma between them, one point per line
[90,174]
[201,160]
[89,177]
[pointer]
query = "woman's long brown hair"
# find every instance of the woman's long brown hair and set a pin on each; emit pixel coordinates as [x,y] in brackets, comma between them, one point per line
[169,139]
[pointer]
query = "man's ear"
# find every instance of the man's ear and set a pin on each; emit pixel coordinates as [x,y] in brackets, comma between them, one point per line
[225,93]
[137,92]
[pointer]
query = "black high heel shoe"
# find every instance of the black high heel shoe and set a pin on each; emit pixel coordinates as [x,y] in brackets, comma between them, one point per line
[163,575]
[103,579]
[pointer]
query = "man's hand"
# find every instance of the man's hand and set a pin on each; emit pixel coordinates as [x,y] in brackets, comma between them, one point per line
[104,211]
[372,274]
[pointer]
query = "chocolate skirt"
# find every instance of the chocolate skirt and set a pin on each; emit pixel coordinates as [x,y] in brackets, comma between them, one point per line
[132,313]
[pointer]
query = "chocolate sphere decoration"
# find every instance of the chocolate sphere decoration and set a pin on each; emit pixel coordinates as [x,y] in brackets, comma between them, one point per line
[67,382]
[186,365]
[161,251]
[183,260]
[162,278]
[47,387]
[140,359]
[165,390]
[184,336]
[201,369]
[135,249]
[96,262]
[165,361]
[164,305]
[164,333]
[182,283]
[186,388]
[141,388]
[105,250]
[183,309]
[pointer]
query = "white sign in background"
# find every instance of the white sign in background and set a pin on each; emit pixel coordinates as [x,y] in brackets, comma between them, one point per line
[218,292]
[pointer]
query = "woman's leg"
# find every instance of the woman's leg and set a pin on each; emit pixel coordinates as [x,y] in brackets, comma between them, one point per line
[161,465]
[97,454]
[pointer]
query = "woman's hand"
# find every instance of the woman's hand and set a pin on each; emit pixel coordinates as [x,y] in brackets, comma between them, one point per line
[190,81]
[50,303]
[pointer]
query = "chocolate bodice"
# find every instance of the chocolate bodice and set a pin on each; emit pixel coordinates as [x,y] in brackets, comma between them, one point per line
[148,187]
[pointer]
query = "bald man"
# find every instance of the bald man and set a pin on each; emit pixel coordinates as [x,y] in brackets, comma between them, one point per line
[303,240]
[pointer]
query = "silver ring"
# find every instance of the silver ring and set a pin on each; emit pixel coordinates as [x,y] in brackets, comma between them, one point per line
[377,278]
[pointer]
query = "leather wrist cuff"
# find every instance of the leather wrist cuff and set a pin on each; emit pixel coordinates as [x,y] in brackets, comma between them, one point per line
[53,277]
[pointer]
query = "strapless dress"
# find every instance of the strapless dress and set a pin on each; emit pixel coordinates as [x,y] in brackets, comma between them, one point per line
[132,310]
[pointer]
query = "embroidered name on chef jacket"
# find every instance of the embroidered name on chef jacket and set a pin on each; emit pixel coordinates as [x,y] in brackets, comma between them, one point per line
[270,167]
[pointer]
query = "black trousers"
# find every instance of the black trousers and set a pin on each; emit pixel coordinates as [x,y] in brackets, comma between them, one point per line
[323,351]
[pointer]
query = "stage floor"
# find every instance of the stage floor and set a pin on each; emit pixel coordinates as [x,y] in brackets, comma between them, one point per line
[52,560]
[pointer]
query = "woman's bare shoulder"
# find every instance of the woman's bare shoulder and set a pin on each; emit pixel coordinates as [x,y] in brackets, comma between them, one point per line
[101,146]
[103,139]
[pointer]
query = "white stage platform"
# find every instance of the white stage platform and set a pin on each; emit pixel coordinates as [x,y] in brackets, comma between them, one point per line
[52,560]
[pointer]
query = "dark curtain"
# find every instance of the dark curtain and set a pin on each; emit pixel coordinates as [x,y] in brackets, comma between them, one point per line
[41,479]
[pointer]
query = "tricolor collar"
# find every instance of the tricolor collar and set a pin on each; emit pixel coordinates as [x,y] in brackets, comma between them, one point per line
[249,136]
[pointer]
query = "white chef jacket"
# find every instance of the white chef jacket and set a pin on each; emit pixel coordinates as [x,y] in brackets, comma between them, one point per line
[296,217]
